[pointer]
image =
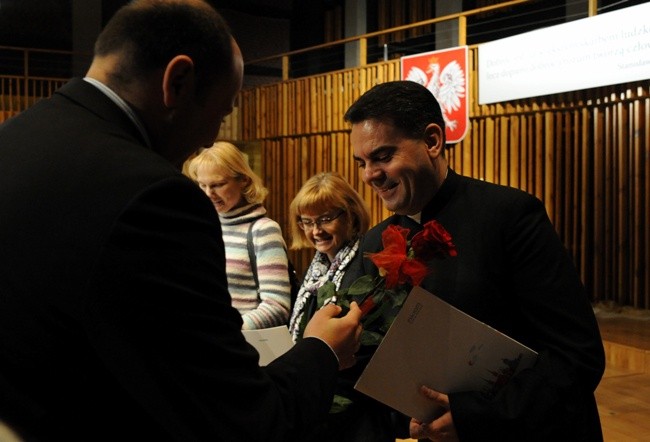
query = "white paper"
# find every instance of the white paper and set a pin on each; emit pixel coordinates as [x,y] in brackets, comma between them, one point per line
[270,343]
[434,344]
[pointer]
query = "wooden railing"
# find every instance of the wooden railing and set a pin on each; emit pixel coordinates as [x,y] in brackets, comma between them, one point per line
[20,83]
[382,36]
[18,93]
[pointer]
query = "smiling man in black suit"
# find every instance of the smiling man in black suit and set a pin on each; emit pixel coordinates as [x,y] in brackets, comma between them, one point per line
[511,272]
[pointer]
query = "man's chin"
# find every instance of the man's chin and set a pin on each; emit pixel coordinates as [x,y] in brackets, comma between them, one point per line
[391,202]
[400,209]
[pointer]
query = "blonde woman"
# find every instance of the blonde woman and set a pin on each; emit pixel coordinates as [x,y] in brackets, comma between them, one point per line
[328,215]
[260,290]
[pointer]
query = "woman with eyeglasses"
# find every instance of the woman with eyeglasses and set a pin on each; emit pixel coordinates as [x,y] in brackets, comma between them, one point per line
[328,215]
[256,256]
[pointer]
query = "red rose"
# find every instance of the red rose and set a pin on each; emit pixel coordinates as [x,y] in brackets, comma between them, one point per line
[393,263]
[433,242]
[400,266]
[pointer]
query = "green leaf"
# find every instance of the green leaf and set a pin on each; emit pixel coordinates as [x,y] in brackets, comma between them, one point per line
[325,292]
[361,286]
[370,338]
[340,404]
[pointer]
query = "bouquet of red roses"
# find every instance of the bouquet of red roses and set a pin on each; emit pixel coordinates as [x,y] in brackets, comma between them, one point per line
[402,265]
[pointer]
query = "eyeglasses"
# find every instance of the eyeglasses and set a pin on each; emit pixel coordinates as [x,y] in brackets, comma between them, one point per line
[307,224]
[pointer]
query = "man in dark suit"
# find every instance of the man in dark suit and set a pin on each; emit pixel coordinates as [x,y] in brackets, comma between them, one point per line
[115,319]
[511,272]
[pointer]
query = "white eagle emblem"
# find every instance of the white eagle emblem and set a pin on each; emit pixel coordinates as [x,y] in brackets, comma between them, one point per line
[447,85]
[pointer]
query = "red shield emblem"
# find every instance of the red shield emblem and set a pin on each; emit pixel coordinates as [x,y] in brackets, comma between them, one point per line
[444,73]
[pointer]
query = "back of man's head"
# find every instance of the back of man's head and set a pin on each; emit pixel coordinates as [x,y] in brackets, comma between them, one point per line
[147,34]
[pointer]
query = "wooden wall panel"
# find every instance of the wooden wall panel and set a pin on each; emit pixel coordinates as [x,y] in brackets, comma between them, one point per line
[585,154]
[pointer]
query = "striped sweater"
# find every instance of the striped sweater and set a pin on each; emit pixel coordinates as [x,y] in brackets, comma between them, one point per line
[268,306]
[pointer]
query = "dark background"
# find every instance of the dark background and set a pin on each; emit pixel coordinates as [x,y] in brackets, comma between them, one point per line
[264,28]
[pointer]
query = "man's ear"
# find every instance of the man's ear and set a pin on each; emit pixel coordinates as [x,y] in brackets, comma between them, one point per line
[435,139]
[179,81]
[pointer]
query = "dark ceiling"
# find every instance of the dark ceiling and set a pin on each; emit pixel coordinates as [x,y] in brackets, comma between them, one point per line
[47,24]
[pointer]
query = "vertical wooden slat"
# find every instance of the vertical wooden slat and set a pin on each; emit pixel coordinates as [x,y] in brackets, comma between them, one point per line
[575,166]
[610,249]
[644,128]
[622,208]
[549,161]
[327,92]
[503,144]
[301,106]
[513,150]
[567,185]
[636,232]
[363,51]
[3,97]
[522,151]
[586,208]
[462,30]
[598,238]
[285,67]
[489,174]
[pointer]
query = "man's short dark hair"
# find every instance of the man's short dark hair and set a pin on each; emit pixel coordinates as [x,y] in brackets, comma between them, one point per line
[149,33]
[407,105]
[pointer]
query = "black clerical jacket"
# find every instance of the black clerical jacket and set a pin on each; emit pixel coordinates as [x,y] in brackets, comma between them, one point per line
[513,273]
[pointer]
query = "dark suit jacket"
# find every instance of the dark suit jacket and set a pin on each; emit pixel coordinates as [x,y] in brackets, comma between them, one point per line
[115,319]
[513,273]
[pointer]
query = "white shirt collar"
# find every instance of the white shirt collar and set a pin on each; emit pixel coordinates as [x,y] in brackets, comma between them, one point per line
[122,105]
[416,217]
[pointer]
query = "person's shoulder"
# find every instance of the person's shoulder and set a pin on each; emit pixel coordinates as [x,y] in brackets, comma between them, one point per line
[380,227]
[491,199]
[376,230]
[265,224]
[494,192]
[267,230]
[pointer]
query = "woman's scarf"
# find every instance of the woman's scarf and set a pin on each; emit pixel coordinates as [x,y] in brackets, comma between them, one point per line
[319,272]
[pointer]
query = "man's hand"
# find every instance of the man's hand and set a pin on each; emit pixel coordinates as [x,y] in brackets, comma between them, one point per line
[343,335]
[442,428]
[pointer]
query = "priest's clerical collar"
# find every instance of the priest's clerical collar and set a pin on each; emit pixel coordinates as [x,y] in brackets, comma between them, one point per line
[416,217]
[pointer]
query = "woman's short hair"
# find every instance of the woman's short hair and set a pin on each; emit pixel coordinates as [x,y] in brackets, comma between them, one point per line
[320,193]
[228,160]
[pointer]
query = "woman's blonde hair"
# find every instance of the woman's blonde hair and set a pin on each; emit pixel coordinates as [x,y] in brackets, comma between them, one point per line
[320,193]
[228,160]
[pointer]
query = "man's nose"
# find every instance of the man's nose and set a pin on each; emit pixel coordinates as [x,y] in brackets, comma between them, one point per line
[370,174]
[315,227]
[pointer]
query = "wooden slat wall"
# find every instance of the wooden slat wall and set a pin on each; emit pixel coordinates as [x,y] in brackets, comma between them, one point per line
[585,154]
[306,134]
